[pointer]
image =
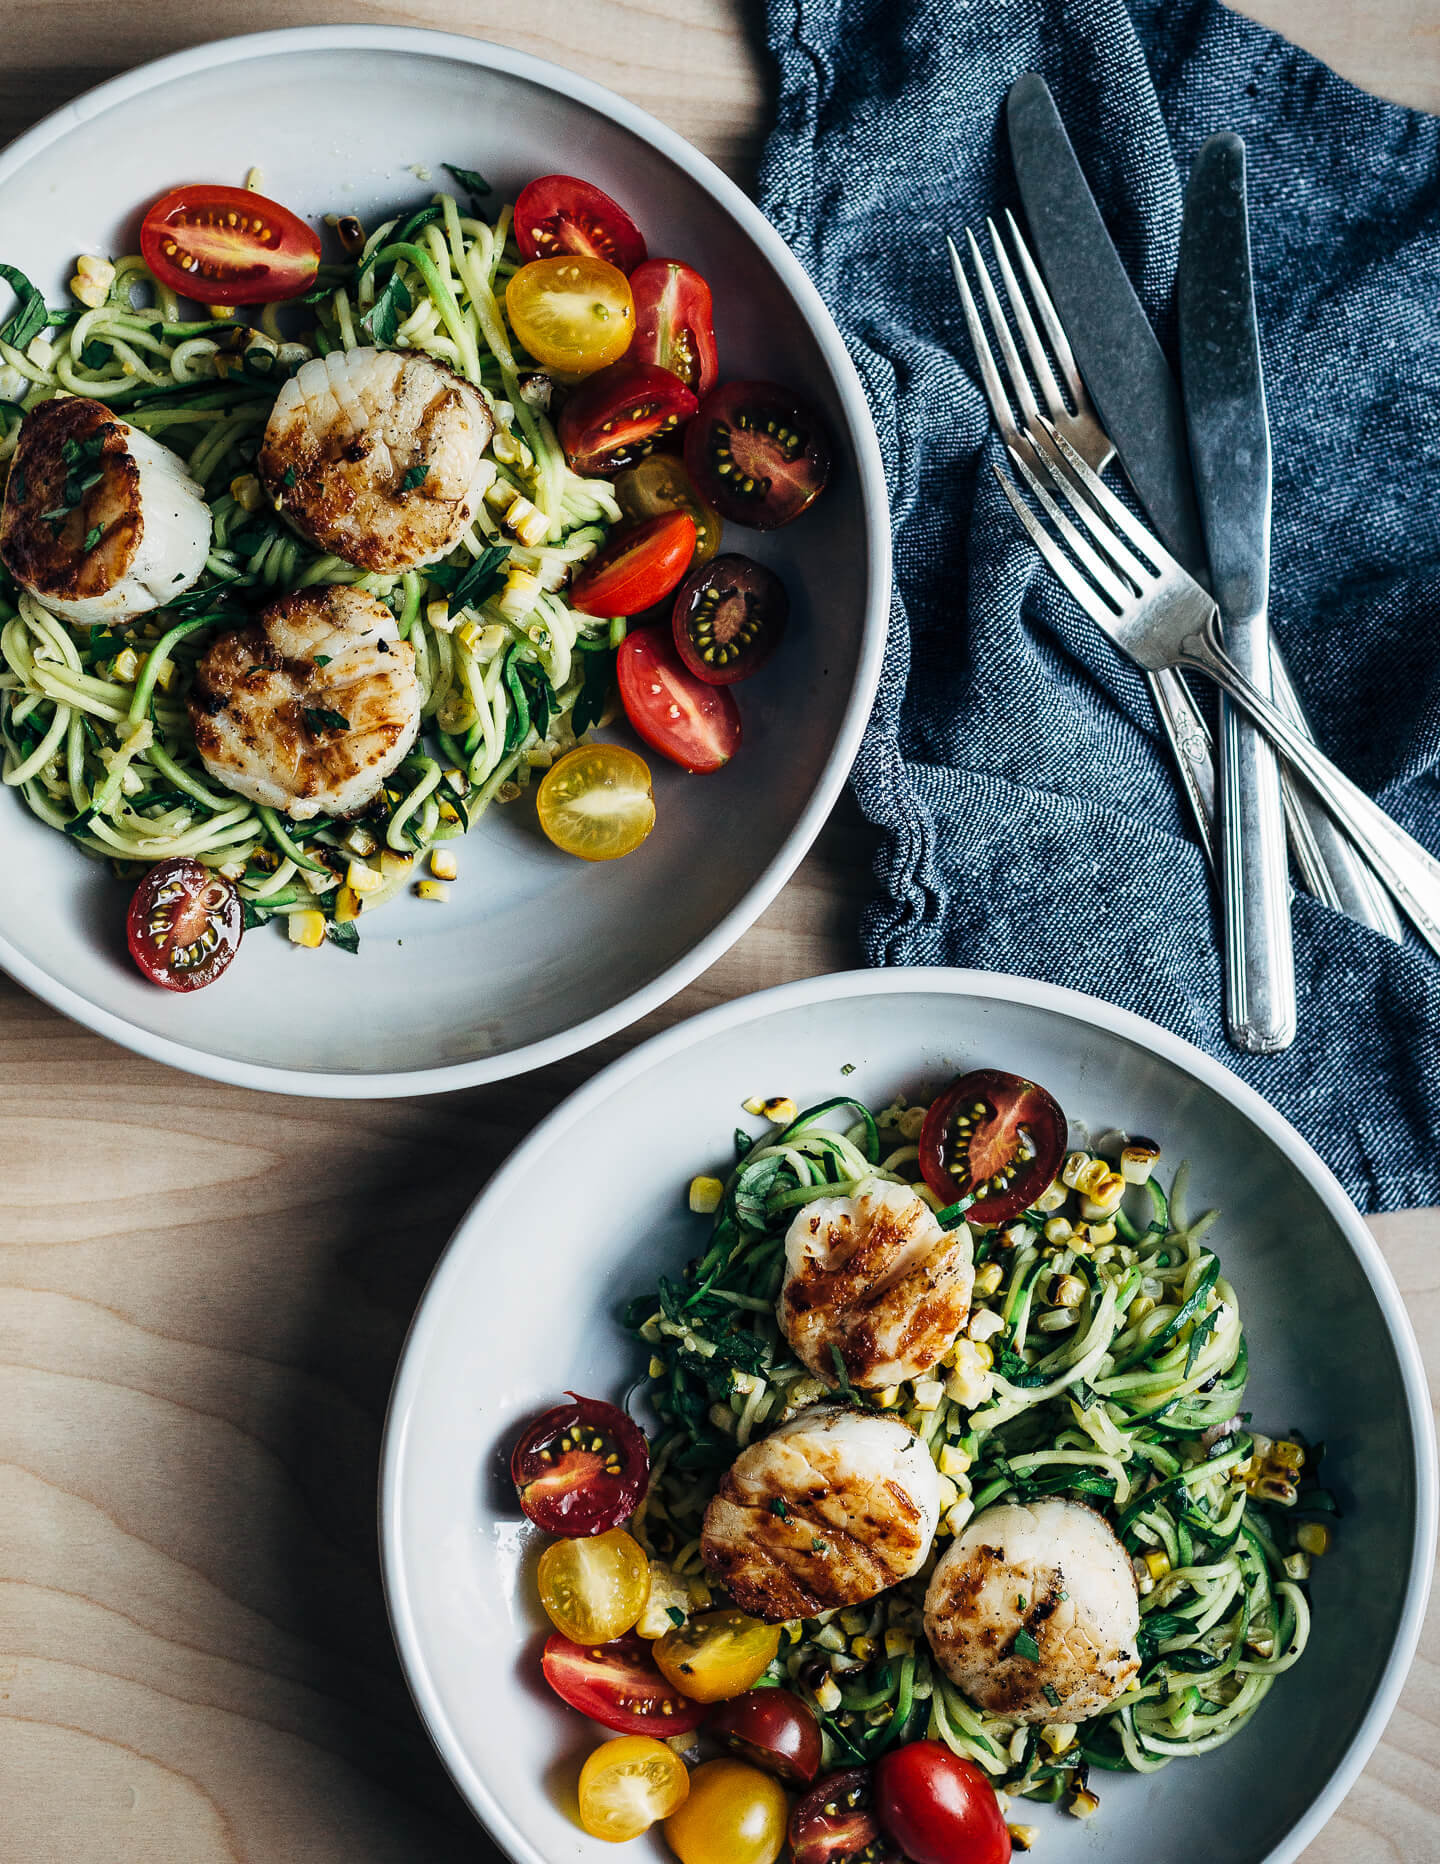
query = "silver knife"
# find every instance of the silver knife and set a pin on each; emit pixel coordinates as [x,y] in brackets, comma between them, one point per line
[1224,391]
[1135,393]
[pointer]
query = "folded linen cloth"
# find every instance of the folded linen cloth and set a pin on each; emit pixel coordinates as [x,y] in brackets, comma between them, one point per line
[1030,819]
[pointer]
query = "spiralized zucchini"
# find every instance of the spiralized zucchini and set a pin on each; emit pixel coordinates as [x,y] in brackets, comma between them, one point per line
[93,722]
[1133,1410]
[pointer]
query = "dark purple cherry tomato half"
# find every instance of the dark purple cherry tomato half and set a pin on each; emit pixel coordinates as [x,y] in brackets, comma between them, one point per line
[994,1133]
[728,618]
[184,924]
[775,1730]
[581,1468]
[835,1823]
[758,454]
[620,413]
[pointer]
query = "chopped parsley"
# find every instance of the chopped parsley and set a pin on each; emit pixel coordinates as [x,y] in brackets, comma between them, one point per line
[675,1615]
[31,317]
[288,476]
[385,316]
[777,1507]
[416,476]
[476,186]
[1051,1695]
[322,660]
[319,719]
[93,535]
[819,1546]
[1026,1647]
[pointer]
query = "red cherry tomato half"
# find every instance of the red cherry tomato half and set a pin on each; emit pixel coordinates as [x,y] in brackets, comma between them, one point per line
[992,1128]
[620,413]
[674,322]
[638,568]
[694,725]
[774,1729]
[228,246]
[581,1468]
[938,1808]
[835,1823]
[558,214]
[757,453]
[184,924]
[618,1686]
[728,618]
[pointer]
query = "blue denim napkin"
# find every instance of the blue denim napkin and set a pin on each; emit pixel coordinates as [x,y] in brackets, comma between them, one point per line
[1030,819]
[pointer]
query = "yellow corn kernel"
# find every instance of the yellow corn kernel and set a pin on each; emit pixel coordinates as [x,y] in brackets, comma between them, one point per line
[1058,1230]
[1084,1804]
[469,635]
[983,1353]
[888,1397]
[970,1383]
[359,840]
[92,281]
[948,1493]
[511,451]
[985,1323]
[1138,1160]
[988,1278]
[863,1648]
[899,1643]
[954,1461]
[443,864]
[853,1621]
[1075,1163]
[1058,1736]
[166,676]
[1139,1308]
[41,351]
[827,1696]
[307,929]
[1100,1233]
[245,490]
[1314,1538]
[1065,1291]
[1287,1456]
[1051,1198]
[928,1393]
[347,906]
[657,1367]
[705,1195]
[1105,1198]
[1296,1566]
[1157,1563]
[362,879]
[1023,1837]
[1276,1489]
[668,1592]
[127,667]
[437,613]
[432,890]
[526,521]
[958,1514]
[395,866]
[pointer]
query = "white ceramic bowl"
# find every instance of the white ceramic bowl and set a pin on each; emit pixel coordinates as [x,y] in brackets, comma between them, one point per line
[537,954]
[592,1205]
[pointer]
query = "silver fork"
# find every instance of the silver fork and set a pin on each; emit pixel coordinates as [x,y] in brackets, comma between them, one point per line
[1155,611]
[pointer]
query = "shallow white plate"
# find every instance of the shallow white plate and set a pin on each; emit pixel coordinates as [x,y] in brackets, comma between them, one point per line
[587,1211]
[537,954]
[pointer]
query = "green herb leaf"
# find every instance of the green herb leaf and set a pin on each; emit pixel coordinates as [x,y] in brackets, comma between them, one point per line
[416,476]
[1026,1647]
[1051,1694]
[675,1615]
[322,660]
[476,186]
[385,316]
[475,583]
[94,353]
[254,915]
[320,719]
[346,936]
[819,1546]
[412,224]
[540,695]
[594,696]
[30,318]
[517,721]
[1199,1333]
[93,536]
[743,1142]
[777,1507]
[287,478]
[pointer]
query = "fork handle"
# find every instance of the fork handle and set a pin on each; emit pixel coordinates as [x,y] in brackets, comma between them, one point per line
[1410,871]
[1189,740]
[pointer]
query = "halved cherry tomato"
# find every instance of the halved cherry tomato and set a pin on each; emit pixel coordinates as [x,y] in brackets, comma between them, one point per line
[728,618]
[674,322]
[772,1729]
[594,1589]
[734,1815]
[559,214]
[596,802]
[619,415]
[637,568]
[581,1468]
[228,246]
[757,453]
[694,725]
[660,483]
[626,1785]
[571,314]
[835,1823]
[618,1686]
[938,1808]
[717,1654]
[184,924]
[994,1132]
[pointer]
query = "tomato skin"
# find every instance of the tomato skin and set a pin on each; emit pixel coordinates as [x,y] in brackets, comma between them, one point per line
[560,213]
[991,1141]
[618,1686]
[661,483]
[717,1654]
[627,1784]
[184,924]
[728,618]
[773,1730]
[835,1823]
[758,453]
[572,314]
[266,254]
[573,1493]
[694,725]
[938,1808]
[618,414]
[674,322]
[566,802]
[594,1587]
[734,1815]
[637,568]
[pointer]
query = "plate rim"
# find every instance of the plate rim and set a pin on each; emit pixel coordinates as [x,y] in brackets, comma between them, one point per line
[950,982]
[875,511]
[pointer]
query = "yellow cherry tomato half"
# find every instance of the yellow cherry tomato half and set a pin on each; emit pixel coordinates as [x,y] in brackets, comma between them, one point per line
[628,1784]
[660,484]
[571,313]
[734,1815]
[594,1589]
[716,1655]
[596,802]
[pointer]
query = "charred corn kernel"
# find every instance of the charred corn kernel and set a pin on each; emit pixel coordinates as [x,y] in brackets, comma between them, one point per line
[41,351]
[523,589]
[888,1397]
[1275,1489]
[500,495]
[1075,1163]
[1065,1291]
[1080,1239]
[1091,1176]
[1262,1644]
[1261,1446]
[985,1323]
[1139,1308]
[347,906]
[457,780]
[1144,1584]
[469,634]
[432,890]
[395,866]
[246,492]
[953,1460]
[127,667]
[928,1393]
[359,840]
[780,1109]
[657,1367]
[863,1648]
[1105,1199]
[362,879]
[1083,1804]
[827,1696]
[92,281]
[307,929]
[1101,1233]
[443,864]
[1051,1198]
[510,450]
[958,1514]
[899,1643]
[745,1383]
[166,676]
[527,522]
[1288,1456]
[947,1492]
[437,613]
[705,1195]
[1157,1563]
[1059,1230]
[1058,1736]
[988,1278]
[1314,1538]
[1296,1565]
[1022,1836]
[1138,1160]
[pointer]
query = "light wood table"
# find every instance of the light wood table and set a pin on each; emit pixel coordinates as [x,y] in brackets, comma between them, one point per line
[203,1291]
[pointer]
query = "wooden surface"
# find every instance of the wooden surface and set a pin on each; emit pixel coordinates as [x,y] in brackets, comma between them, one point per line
[203,1291]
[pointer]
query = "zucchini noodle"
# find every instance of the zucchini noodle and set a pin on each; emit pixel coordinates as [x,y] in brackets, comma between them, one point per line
[1127,1400]
[94,729]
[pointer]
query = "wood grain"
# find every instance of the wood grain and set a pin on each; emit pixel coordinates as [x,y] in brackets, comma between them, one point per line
[203,1291]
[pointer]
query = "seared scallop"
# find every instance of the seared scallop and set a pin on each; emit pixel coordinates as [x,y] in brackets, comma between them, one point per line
[100,522]
[874,1280]
[312,707]
[1033,1598]
[828,1510]
[378,456]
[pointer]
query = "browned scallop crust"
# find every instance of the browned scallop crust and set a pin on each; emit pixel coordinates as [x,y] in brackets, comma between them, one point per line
[49,552]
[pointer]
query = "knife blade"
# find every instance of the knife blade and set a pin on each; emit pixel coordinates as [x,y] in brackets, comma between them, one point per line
[1223,388]
[1139,403]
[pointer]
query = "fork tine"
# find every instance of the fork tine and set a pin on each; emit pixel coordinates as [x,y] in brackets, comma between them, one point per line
[1029,335]
[1145,541]
[1063,567]
[1050,317]
[1042,439]
[1014,368]
[989,374]
[1100,571]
